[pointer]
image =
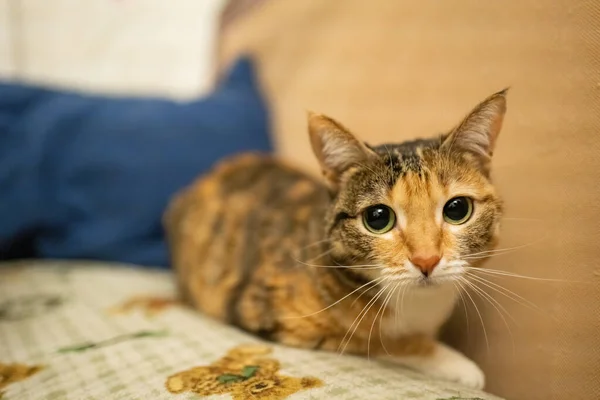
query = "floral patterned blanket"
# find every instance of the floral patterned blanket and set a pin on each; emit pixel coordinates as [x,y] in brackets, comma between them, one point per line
[82,330]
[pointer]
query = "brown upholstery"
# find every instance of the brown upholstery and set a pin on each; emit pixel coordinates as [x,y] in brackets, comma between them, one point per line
[395,69]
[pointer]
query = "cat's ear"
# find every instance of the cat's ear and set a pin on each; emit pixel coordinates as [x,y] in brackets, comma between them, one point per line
[476,135]
[335,147]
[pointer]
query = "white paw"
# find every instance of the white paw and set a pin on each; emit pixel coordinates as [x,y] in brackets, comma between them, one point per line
[447,364]
[455,367]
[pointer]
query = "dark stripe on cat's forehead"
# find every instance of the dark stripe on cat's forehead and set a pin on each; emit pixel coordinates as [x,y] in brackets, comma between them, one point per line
[407,148]
[404,157]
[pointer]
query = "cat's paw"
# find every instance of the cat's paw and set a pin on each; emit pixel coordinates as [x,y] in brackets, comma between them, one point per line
[447,364]
[455,367]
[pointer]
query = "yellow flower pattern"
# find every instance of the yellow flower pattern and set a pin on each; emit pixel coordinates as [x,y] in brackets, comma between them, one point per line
[11,373]
[150,305]
[245,373]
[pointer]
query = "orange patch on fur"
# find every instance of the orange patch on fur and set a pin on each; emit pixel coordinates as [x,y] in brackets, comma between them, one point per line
[419,198]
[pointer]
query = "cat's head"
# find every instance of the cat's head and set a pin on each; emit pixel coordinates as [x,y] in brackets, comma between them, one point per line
[420,211]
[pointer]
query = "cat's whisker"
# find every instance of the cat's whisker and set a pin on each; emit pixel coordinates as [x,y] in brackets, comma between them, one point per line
[507,274]
[382,310]
[377,298]
[366,291]
[506,249]
[487,343]
[492,253]
[396,308]
[497,306]
[318,257]
[381,307]
[373,282]
[399,303]
[358,266]
[509,294]
[484,254]
[311,245]
[399,286]
[462,300]
[363,266]
[402,300]
[522,219]
[318,242]
[491,299]
[362,315]
[484,257]
[341,345]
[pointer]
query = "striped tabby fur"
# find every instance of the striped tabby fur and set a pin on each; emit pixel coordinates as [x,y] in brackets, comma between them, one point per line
[263,246]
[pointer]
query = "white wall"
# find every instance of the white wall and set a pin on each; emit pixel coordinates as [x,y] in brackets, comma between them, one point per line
[145,47]
[7,66]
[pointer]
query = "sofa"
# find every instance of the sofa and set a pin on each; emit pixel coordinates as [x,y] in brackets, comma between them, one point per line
[391,70]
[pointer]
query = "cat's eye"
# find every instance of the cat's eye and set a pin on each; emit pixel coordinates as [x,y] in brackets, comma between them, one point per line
[458,210]
[379,219]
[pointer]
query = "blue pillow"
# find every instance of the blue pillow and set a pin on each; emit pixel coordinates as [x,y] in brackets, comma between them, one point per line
[89,177]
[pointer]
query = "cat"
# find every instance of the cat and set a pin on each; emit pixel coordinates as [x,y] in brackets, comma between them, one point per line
[368,260]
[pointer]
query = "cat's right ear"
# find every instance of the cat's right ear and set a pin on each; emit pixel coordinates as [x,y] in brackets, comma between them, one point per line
[335,147]
[477,134]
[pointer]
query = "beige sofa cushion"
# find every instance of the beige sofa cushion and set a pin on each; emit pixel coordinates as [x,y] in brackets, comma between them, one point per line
[73,331]
[393,70]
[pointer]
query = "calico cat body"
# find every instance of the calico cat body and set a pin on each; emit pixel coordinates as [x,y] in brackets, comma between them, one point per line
[368,262]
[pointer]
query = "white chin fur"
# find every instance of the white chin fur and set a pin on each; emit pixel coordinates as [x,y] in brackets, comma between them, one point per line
[419,304]
[419,309]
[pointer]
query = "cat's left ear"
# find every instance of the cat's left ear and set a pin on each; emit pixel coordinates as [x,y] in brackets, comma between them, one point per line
[476,135]
[335,147]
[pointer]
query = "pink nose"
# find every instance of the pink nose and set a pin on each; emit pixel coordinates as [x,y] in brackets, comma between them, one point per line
[426,263]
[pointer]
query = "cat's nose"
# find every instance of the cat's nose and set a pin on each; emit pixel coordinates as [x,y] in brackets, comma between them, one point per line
[426,263]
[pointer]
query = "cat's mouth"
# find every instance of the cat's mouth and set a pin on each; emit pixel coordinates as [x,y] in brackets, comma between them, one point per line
[429,281]
[439,279]
[436,281]
[447,271]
